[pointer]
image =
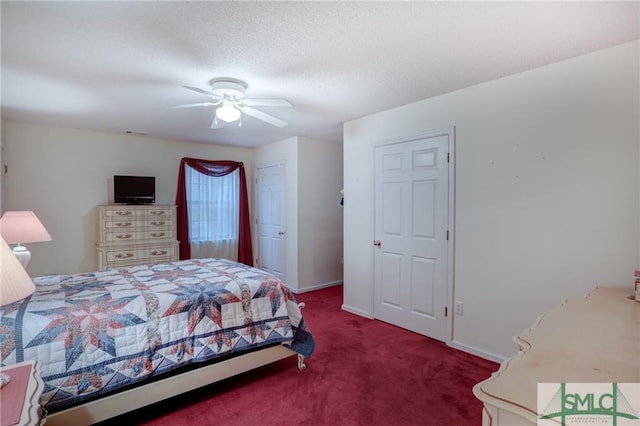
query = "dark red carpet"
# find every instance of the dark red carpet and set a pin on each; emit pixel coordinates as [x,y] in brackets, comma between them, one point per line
[363,372]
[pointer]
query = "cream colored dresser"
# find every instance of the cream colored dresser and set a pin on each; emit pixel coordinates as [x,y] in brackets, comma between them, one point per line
[133,235]
[590,340]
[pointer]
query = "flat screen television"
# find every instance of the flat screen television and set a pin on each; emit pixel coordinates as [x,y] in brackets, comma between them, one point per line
[134,189]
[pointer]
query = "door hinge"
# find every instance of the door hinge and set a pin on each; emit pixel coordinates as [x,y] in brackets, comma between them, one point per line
[256,220]
[446,311]
[447,235]
[448,157]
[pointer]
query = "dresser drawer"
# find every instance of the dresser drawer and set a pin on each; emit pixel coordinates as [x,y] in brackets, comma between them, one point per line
[162,253]
[120,223]
[137,211]
[131,235]
[113,258]
[138,222]
[159,212]
[140,254]
[125,255]
[153,235]
[123,212]
[125,236]
[158,222]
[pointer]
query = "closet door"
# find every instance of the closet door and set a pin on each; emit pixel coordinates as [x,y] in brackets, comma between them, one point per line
[271,220]
[410,242]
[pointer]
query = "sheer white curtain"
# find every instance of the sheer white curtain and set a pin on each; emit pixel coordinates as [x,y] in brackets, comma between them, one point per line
[213,214]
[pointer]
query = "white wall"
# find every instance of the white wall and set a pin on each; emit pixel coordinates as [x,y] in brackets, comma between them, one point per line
[547,191]
[63,174]
[320,214]
[313,170]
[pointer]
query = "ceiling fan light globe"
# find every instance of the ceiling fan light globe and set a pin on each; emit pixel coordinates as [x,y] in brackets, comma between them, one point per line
[228,113]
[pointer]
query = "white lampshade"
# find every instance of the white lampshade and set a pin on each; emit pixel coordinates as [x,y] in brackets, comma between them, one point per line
[15,283]
[228,113]
[19,227]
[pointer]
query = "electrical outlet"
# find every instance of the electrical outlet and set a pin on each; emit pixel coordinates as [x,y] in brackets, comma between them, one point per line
[458,308]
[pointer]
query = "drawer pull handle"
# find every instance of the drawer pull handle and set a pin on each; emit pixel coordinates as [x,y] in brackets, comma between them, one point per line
[123,224]
[157,234]
[123,236]
[157,212]
[124,255]
[158,223]
[123,212]
[158,252]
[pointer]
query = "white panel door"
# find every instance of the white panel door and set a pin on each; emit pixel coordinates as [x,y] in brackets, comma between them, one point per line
[410,245]
[271,220]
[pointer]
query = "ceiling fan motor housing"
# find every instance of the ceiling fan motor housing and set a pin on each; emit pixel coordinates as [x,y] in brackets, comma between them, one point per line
[228,90]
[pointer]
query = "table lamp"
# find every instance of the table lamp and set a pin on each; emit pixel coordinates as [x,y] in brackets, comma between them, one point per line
[15,284]
[21,227]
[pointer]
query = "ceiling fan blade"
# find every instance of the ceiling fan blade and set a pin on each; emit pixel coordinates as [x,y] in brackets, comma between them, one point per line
[266,102]
[197,89]
[264,117]
[196,105]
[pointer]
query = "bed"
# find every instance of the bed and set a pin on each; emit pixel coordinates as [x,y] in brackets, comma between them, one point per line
[115,340]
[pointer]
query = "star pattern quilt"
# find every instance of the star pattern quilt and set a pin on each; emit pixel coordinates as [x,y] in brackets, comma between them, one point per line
[94,333]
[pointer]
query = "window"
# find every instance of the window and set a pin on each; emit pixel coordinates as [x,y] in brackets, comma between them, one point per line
[212,204]
[220,206]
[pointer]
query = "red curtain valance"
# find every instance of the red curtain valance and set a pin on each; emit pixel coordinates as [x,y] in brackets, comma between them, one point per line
[214,168]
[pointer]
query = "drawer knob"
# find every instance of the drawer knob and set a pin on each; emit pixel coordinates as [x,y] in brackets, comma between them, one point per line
[157,223]
[157,234]
[123,236]
[158,252]
[157,212]
[123,212]
[123,224]
[124,255]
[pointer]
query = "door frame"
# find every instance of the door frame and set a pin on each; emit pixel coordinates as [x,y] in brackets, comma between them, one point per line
[450,132]
[256,195]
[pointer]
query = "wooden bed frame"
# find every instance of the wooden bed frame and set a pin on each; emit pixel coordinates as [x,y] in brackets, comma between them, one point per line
[141,396]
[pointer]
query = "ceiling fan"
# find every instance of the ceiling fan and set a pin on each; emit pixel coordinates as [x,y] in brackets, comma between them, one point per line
[228,97]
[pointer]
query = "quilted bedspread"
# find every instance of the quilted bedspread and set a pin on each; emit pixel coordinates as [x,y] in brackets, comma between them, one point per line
[97,332]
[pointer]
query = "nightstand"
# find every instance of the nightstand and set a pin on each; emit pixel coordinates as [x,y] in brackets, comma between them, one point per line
[20,398]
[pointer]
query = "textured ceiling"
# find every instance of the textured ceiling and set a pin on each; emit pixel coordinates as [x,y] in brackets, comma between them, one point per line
[118,66]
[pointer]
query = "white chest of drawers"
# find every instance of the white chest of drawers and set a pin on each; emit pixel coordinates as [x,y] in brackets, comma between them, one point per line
[134,235]
[590,340]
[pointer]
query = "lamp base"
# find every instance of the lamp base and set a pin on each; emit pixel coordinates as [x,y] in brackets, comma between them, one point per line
[4,379]
[23,255]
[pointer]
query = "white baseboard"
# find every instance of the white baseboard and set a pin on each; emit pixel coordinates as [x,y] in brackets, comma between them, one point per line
[356,311]
[316,287]
[454,344]
[477,352]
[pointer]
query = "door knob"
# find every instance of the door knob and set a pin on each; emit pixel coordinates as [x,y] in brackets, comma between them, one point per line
[377,243]
[280,233]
